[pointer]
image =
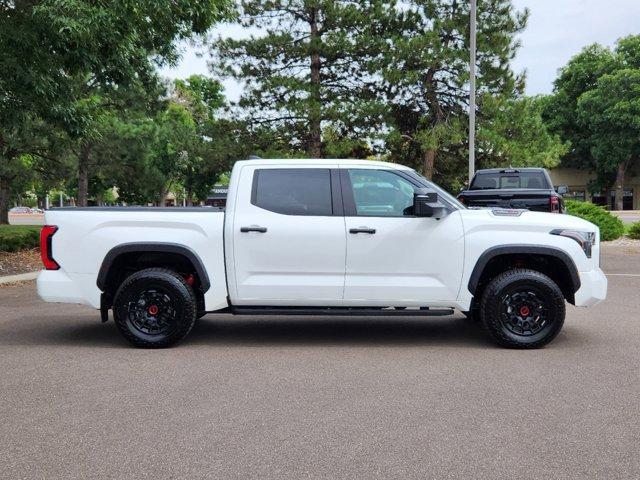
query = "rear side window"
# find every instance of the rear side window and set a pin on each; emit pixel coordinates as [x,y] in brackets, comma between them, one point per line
[293,191]
[499,180]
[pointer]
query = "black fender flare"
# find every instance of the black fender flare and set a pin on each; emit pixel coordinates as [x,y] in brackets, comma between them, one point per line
[183,250]
[493,252]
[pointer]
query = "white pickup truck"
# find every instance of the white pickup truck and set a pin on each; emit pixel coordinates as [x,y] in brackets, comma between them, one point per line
[323,237]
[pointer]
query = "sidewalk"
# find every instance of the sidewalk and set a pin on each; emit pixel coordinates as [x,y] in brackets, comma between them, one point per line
[627,216]
[23,277]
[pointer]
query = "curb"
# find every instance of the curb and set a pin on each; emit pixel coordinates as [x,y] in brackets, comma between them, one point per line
[23,277]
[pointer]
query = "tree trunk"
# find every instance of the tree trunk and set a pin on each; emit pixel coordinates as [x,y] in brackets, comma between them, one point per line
[429,159]
[4,201]
[4,186]
[315,128]
[619,186]
[83,176]
[162,202]
[189,195]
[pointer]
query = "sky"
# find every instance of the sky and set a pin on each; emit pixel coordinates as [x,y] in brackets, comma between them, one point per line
[557,30]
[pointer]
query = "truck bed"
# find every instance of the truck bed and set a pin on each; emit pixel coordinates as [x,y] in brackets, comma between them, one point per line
[86,235]
[531,199]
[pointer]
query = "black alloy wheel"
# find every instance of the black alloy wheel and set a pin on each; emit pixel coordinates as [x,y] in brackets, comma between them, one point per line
[524,311]
[155,308]
[153,312]
[522,308]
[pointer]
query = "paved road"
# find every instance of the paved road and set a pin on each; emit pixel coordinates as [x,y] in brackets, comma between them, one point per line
[321,398]
[26,219]
[628,216]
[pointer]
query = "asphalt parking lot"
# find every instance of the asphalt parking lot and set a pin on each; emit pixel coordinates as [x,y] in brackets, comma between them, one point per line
[334,398]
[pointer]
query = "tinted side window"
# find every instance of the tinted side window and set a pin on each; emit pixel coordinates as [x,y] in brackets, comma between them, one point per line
[293,191]
[381,193]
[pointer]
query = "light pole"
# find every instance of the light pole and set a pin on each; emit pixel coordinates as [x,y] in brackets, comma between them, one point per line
[472,90]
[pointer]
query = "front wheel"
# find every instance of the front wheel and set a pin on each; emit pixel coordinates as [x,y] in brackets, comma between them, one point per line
[154,308]
[522,308]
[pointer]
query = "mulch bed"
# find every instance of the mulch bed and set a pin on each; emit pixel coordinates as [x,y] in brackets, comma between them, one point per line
[23,284]
[23,261]
[623,244]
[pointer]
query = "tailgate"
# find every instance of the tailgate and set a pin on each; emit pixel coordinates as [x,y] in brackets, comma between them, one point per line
[535,200]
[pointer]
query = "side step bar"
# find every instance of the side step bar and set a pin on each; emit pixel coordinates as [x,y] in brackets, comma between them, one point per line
[344,311]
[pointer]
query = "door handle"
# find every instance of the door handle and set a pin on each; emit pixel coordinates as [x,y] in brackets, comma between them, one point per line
[368,230]
[253,228]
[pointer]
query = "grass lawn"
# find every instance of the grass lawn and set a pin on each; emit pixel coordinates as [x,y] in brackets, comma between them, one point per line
[19,228]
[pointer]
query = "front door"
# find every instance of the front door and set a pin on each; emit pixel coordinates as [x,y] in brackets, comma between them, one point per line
[288,237]
[394,258]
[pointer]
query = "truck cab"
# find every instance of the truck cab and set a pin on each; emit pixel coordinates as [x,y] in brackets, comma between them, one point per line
[338,234]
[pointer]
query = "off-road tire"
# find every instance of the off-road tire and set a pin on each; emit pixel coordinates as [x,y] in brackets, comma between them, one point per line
[178,309]
[531,292]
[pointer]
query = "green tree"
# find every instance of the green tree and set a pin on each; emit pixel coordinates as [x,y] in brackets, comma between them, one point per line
[611,114]
[580,75]
[421,53]
[512,132]
[106,110]
[124,159]
[204,99]
[114,151]
[304,72]
[594,107]
[46,45]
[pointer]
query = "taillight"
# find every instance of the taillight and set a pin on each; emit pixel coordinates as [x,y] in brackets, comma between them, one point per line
[45,247]
[554,205]
[461,199]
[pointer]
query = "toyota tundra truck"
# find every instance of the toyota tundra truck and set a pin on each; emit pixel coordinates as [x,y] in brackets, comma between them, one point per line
[323,237]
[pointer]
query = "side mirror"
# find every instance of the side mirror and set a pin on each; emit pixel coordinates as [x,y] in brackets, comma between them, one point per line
[426,204]
[563,190]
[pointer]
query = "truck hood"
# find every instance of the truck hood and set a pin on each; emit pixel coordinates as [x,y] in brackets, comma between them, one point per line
[521,220]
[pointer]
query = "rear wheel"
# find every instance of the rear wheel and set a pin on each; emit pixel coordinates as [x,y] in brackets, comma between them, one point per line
[522,308]
[154,308]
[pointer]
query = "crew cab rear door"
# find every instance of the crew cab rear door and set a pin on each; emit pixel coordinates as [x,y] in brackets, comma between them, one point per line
[289,238]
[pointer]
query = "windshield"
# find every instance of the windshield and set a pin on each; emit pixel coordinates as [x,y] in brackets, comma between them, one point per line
[503,180]
[453,201]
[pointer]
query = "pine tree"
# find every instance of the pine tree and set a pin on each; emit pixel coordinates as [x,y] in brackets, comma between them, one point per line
[304,72]
[423,65]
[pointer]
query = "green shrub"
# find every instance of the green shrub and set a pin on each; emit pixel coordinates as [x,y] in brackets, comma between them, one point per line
[611,227]
[18,237]
[634,231]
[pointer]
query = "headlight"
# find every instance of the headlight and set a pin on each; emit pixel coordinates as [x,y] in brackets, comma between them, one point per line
[586,240]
